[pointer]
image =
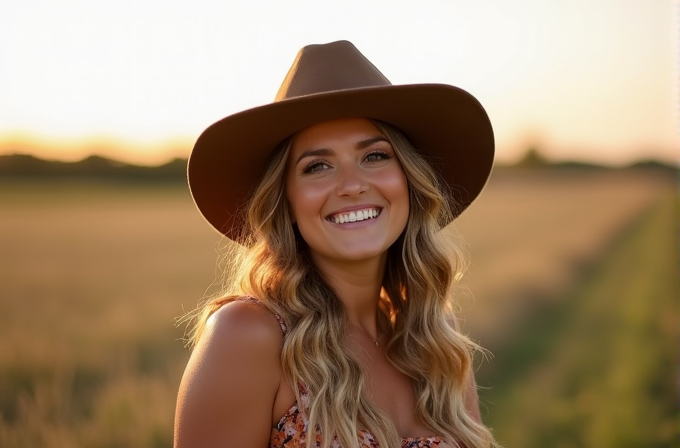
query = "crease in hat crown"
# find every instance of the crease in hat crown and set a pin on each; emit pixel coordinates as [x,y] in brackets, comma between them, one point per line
[327,68]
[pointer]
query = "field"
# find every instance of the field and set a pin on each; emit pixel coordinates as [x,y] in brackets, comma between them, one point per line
[573,285]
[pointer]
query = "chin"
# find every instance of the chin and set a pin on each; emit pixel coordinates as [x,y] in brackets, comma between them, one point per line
[359,253]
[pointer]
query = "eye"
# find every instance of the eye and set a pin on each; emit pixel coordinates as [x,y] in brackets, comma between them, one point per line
[376,156]
[315,166]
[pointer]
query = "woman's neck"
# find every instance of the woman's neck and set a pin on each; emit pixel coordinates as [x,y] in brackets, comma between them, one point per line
[358,285]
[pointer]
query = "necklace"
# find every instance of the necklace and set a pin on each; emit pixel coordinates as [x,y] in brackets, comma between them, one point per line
[380,336]
[376,341]
[381,324]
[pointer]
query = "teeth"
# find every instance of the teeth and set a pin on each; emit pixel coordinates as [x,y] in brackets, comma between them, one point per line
[354,216]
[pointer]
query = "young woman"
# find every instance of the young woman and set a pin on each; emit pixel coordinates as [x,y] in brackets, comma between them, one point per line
[335,328]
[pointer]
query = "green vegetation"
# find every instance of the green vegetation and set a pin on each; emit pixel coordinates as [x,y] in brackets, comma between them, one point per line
[600,368]
[93,167]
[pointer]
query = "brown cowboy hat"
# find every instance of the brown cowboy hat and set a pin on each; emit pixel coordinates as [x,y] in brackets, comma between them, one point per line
[333,81]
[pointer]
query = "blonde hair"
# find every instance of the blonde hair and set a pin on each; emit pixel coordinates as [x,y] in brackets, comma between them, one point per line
[272,264]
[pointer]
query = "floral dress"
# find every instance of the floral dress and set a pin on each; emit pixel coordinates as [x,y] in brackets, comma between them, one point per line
[291,432]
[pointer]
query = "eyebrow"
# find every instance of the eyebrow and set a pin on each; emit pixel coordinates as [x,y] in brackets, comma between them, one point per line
[363,144]
[314,152]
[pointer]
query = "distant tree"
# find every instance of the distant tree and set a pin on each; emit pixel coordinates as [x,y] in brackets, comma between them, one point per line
[654,165]
[92,167]
[26,164]
[532,159]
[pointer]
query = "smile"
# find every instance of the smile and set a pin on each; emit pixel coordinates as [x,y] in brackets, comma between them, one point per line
[354,216]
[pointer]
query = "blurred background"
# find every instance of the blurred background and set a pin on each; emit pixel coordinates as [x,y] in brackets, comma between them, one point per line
[573,246]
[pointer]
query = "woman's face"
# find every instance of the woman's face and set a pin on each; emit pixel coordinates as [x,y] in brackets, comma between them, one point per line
[347,191]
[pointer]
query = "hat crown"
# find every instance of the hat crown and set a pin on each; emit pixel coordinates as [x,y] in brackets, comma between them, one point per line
[329,67]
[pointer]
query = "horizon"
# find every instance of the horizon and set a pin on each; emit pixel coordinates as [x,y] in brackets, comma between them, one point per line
[156,154]
[532,156]
[582,81]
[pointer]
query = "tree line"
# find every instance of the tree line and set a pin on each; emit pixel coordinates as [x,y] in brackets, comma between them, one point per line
[29,166]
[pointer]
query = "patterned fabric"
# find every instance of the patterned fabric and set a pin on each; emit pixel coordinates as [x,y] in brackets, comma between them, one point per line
[291,430]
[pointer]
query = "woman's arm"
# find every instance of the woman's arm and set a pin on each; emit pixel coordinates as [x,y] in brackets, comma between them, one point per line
[472,399]
[230,383]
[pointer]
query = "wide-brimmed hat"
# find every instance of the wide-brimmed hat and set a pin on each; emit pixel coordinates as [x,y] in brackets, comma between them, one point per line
[333,81]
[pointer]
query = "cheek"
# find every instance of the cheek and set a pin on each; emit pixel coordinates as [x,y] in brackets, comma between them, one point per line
[305,206]
[395,185]
[304,202]
[395,190]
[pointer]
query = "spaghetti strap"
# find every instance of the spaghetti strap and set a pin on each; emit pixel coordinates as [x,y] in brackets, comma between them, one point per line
[282,324]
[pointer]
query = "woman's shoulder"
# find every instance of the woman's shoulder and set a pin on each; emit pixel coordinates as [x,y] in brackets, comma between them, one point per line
[233,376]
[246,319]
[242,332]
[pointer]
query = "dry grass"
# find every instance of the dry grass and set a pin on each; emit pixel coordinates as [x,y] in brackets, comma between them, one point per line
[92,277]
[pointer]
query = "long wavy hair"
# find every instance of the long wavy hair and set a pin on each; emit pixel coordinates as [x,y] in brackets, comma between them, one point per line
[272,263]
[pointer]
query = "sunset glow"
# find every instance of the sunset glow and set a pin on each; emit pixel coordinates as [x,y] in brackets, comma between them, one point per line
[138,81]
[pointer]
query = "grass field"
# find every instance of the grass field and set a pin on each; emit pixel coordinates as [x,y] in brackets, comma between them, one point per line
[600,368]
[573,284]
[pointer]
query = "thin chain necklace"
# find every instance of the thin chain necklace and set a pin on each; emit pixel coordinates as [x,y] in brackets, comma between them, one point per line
[380,336]
[376,341]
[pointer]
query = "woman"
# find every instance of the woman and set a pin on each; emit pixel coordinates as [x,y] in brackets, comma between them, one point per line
[335,328]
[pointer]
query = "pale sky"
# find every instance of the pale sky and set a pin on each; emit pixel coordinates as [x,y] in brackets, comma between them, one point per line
[592,80]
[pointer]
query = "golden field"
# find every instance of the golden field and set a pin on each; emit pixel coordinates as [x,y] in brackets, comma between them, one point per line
[93,275]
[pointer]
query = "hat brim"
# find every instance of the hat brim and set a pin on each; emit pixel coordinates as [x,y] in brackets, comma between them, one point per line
[447,124]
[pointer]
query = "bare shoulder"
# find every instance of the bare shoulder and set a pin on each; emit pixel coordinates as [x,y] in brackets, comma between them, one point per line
[240,336]
[244,321]
[230,383]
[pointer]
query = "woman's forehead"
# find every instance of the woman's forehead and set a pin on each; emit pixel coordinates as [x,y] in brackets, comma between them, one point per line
[328,134]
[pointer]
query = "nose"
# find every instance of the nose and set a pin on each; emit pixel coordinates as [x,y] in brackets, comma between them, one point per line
[351,182]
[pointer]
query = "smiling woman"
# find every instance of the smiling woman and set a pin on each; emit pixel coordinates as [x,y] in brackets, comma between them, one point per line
[336,325]
[329,193]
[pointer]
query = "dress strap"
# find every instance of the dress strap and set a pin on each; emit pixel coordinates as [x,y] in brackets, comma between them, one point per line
[282,324]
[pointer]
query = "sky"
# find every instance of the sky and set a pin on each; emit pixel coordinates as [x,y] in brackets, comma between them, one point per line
[591,80]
